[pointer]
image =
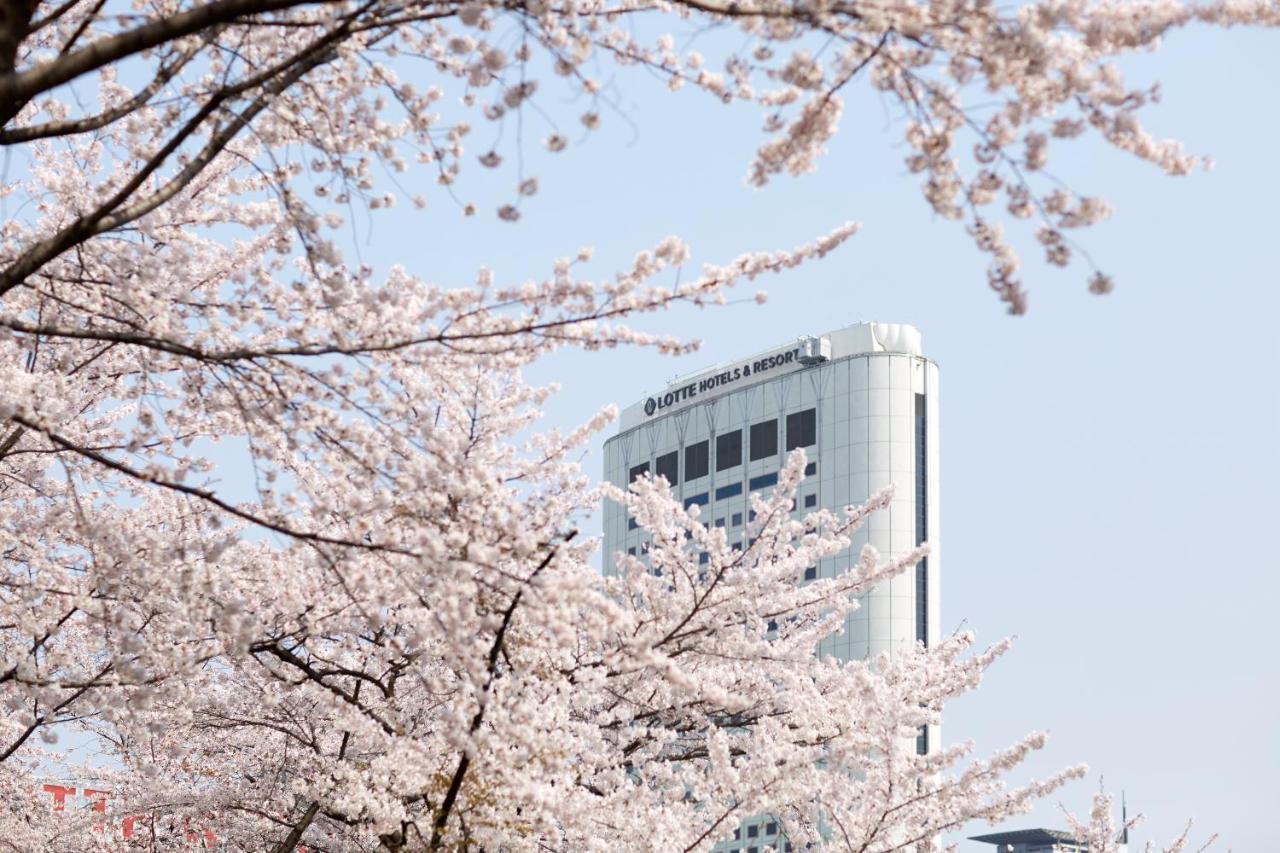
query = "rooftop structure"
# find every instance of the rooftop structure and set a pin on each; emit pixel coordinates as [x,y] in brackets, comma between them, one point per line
[1033,841]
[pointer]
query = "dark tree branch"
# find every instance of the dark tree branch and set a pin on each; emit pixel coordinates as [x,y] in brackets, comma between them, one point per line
[18,88]
[46,20]
[16,135]
[83,28]
[15,23]
[455,783]
[202,494]
[290,842]
[111,213]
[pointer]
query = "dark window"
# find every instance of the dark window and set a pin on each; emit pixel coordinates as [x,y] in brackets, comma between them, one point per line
[811,573]
[811,469]
[668,466]
[631,551]
[719,522]
[753,831]
[728,450]
[922,741]
[802,429]
[703,558]
[639,471]
[771,828]
[751,516]
[810,500]
[728,491]
[764,481]
[773,626]
[695,461]
[922,532]
[764,440]
[736,521]
[737,833]
[631,524]
[699,500]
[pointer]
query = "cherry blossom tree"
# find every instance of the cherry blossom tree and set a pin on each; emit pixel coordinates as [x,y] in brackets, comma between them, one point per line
[398,641]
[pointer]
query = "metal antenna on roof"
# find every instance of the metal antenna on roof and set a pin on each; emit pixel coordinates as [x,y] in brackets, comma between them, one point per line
[1124,819]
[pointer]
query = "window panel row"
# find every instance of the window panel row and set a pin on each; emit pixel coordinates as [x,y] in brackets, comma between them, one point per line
[801,431]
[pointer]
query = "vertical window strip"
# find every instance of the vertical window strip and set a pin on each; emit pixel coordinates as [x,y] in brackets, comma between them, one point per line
[922,520]
[922,532]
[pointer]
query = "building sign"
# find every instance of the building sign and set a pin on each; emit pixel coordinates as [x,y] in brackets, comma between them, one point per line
[716,381]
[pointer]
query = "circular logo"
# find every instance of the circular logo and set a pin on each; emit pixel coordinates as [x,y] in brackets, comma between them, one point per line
[650,406]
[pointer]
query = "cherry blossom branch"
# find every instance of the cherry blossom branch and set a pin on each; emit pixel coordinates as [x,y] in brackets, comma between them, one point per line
[19,135]
[16,89]
[203,495]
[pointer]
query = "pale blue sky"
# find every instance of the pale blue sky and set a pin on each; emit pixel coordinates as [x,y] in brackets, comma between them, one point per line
[1107,463]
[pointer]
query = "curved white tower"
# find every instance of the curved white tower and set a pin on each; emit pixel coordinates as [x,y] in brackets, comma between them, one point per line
[862,401]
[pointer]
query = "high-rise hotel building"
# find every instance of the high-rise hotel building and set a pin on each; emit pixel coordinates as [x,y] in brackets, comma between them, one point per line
[862,401]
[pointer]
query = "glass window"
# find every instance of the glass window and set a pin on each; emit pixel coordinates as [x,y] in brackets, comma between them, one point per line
[728,491]
[810,500]
[703,558]
[696,460]
[631,552]
[764,481]
[737,519]
[922,524]
[719,522]
[668,466]
[728,450]
[764,440]
[699,500]
[811,469]
[638,471]
[771,828]
[811,573]
[802,429]
[631,524]
[753,831]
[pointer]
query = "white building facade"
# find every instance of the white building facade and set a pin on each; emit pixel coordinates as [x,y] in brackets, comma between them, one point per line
[863,403]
